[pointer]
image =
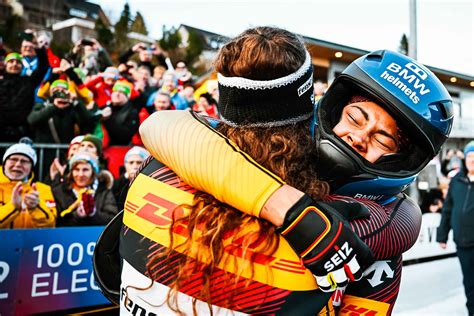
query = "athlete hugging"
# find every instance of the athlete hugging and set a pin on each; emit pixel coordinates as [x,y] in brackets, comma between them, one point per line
[257,215]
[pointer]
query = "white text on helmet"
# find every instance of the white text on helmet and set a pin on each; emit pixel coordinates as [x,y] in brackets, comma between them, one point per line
[368,197]
[410,74]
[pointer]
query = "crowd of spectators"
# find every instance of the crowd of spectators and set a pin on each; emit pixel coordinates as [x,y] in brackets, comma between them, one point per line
[86,100]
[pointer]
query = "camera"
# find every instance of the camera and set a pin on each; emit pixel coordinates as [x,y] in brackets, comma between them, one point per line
[60,94]
[26,36]
[86,42]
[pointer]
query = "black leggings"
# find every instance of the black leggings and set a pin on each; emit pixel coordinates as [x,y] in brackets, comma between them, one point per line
[466,258]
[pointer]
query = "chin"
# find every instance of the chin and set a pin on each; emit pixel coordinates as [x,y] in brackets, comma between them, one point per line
[15,176]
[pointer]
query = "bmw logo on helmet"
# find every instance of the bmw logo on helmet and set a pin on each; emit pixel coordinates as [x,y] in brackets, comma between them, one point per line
[412,95]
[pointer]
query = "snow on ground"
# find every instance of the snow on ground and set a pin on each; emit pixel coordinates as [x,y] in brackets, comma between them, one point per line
[432,288]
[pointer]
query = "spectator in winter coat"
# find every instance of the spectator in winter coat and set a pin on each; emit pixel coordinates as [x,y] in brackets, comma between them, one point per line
[24,203]
[121,118]
[85,198]
[132,162]
[101,86]
[17,95]
[458,215]
[57,119]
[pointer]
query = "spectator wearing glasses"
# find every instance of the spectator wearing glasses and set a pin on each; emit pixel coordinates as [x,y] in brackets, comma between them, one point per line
[24,203]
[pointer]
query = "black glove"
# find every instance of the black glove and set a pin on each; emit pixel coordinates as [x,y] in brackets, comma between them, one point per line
[325,242]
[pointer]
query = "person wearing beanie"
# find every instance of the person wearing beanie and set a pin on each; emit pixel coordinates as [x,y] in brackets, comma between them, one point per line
[17,95]
[58,119]
[85,198]
[101,86]
[24,203]
[92,145]
[121,119]
[457,214]
[132,162]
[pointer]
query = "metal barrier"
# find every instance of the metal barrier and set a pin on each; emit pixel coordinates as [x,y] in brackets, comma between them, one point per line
[40,151]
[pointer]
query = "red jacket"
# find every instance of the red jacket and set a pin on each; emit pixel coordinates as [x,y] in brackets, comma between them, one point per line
[101,91]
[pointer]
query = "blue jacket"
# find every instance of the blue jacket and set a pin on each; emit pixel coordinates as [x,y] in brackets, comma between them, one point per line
[458,212]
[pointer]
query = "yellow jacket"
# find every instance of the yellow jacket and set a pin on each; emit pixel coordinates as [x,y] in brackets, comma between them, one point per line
[42,216]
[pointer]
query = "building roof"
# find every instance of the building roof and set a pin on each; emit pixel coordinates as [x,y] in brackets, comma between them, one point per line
[92,10]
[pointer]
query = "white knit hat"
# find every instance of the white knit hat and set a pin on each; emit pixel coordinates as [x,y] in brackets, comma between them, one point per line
[22,149]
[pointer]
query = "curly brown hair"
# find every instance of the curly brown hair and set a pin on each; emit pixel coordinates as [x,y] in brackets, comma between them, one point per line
[259,53]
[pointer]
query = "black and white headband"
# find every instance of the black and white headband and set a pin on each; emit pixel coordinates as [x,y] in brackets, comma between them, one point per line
[267,103]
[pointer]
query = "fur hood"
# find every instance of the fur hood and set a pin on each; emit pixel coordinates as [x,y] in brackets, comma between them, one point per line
[106,178]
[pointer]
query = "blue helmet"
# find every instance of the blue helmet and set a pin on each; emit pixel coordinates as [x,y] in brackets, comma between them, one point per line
[412,95]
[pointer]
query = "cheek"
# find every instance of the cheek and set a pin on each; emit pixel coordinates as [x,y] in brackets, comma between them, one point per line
[340,129]
[373,155]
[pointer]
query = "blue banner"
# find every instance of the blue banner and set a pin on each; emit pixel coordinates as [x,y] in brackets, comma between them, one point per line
[43,270]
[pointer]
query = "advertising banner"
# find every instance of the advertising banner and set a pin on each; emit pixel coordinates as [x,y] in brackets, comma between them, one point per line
[44,270]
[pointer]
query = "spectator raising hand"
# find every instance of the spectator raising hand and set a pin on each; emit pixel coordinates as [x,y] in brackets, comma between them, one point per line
[56,168]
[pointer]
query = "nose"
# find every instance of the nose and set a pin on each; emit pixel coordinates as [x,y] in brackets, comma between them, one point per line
[81,173]
[18,163]
[358,141]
